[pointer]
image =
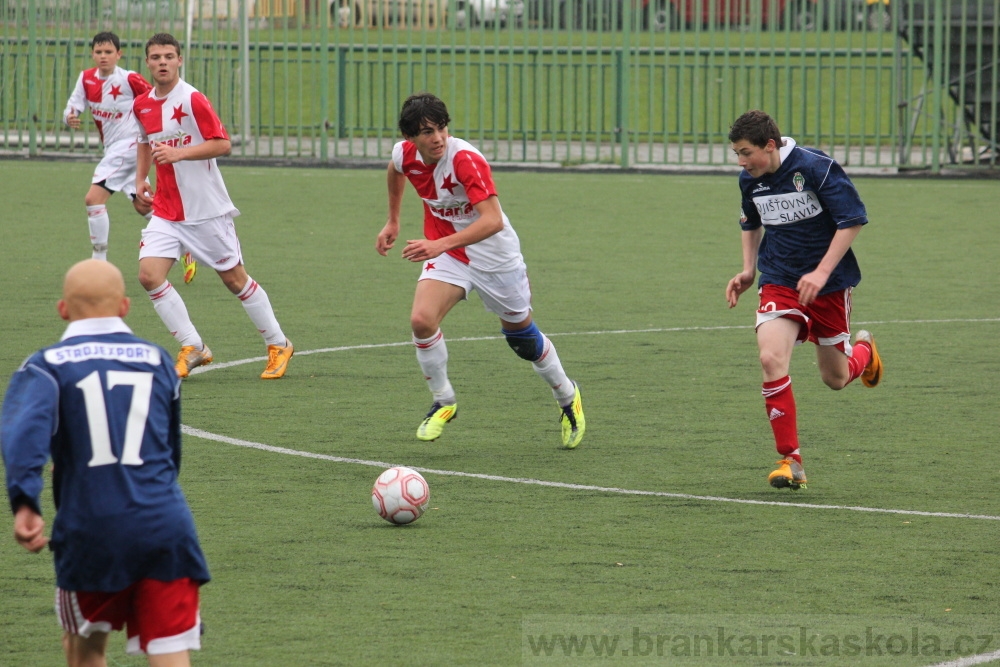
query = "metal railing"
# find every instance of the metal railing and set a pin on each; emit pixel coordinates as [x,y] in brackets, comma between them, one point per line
[643,83]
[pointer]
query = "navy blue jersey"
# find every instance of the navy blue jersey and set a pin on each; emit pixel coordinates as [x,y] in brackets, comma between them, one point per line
[105,405]
[801,206]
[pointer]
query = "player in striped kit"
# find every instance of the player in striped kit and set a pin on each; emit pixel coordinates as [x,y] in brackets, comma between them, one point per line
[800,215]
[469,245]
[182,135]
[105,405]
[108,91]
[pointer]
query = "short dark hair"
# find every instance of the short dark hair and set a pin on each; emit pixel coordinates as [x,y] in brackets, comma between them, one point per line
[163,39]
[419,109]
[106,37]
[756,127]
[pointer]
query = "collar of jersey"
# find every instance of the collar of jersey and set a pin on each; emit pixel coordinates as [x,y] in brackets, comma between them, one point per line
[95,326]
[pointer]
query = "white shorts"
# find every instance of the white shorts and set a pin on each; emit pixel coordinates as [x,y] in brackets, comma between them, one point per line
[117,168]
[213,241]
[506,294]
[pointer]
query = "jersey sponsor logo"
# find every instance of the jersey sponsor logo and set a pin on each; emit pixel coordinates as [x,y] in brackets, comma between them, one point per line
[788,208]
[416,172]
[106,114]
[761,188]
[147,354]
[181,139]
[453,212]
[799,181]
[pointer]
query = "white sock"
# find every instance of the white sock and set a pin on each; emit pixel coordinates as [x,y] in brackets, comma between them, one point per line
[170,307]
[432,355]
[550,369]
[100,226]
[258,307]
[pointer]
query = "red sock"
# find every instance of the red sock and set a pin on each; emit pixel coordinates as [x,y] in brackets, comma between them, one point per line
[861,354]
[779,403]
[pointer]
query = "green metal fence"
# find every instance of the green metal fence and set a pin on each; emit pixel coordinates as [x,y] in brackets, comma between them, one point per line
[623,83]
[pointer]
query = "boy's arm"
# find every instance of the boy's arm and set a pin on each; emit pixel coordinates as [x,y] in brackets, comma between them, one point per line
[490,222]
[75,105]
[143,163]
[27,423]
[395,185]
[210,148]
[812,283]
[743,280]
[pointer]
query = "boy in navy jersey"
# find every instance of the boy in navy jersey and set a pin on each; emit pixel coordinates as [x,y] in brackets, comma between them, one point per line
[105,405]
[811,213]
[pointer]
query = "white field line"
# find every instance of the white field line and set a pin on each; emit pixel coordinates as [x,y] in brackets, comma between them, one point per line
[609,332]
[206,435]
[970,660]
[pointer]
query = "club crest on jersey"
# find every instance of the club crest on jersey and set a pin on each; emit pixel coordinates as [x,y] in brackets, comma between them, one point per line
[448,184]
[798,181]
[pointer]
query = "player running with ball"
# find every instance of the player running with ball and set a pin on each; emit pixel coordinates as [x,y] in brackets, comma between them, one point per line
[469,245]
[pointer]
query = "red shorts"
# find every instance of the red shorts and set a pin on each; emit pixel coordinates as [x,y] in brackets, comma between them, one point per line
[162,616]
[826,321]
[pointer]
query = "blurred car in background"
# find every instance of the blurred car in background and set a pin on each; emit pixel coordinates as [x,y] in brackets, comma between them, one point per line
[425,13]
[472,13]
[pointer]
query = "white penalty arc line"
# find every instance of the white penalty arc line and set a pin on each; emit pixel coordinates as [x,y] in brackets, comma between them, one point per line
[608,332]
[971,660]
[206,435]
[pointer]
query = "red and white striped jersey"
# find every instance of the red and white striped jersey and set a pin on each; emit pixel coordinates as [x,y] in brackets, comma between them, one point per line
[450,190]
[109,101]
[189,189]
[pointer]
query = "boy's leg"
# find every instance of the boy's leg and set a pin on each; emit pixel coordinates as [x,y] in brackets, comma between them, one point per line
[529,343]
[258,308]
[839,363]
[156,256]
[775,340]
[432,301]
[98,221]
[85,651]
[179,659]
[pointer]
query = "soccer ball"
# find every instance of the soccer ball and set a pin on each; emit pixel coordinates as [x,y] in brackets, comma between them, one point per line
[400,495]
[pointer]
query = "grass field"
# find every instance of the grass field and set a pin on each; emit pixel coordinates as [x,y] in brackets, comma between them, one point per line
[897,533]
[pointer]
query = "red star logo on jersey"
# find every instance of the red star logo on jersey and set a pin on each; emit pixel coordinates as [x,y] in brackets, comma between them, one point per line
[115,91]
[178,113]
[449,184]
[430,265]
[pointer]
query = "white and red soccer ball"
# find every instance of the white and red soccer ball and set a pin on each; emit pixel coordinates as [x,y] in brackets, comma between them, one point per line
[400,495]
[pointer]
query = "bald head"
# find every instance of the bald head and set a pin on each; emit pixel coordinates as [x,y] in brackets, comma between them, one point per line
[93,288]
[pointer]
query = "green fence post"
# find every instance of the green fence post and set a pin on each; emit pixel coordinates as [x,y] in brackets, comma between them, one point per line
[939,79]
[626,79]
[324,101]
[342,92]
[34,85]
